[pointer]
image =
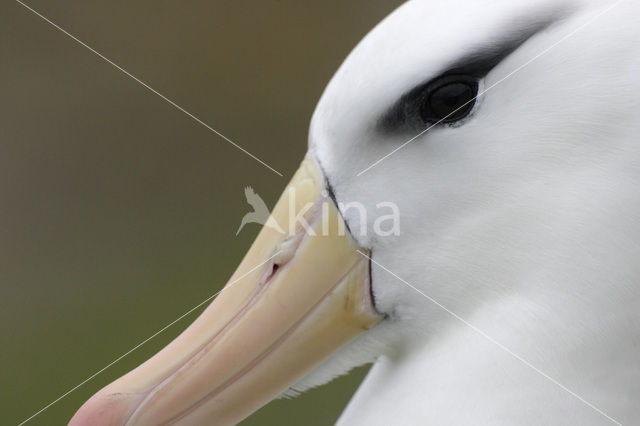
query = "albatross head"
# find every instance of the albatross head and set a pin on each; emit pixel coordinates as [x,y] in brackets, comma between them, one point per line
[504,132]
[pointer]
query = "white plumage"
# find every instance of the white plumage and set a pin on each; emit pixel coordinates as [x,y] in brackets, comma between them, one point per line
[524,220]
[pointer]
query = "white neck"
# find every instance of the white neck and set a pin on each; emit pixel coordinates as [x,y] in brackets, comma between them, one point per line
[464,377]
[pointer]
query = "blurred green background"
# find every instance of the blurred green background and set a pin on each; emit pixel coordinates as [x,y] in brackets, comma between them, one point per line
[118,212]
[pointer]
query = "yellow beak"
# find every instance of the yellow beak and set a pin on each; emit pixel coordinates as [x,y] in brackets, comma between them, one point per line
[295,299]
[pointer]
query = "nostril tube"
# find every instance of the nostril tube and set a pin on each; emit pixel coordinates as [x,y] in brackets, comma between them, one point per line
[274,269]
[287,249]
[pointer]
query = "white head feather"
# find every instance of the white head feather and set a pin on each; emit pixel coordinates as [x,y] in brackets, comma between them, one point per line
[524,219]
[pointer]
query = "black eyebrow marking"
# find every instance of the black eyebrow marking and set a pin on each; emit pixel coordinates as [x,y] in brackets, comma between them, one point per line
[403,115]
[478,64]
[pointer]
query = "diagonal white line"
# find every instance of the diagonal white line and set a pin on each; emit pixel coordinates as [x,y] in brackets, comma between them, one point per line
[175,105]
[146,340]
[544,52]
[495,342]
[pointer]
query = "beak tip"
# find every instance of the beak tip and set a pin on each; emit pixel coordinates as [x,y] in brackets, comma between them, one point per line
[103,409]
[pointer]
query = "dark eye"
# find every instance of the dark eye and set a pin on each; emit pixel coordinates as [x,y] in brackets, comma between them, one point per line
[449,99]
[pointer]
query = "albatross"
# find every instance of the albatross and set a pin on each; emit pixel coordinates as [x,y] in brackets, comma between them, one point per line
[505,133]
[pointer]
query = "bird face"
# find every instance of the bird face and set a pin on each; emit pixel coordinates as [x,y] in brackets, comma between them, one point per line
[501,130]
[468,117]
